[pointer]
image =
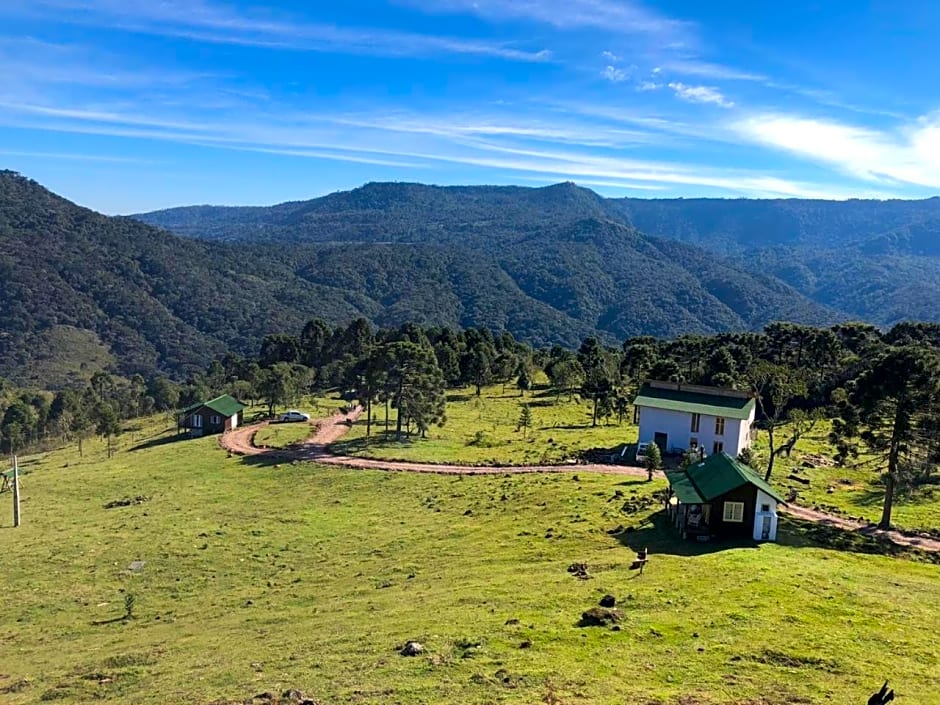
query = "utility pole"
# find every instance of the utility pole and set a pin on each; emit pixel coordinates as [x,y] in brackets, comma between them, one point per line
[16,492]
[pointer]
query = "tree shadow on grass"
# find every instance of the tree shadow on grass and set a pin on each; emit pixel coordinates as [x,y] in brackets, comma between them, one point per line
[161,440]
[801,533]
[658,535]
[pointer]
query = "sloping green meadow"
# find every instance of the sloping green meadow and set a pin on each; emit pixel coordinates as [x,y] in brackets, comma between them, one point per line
[261,578]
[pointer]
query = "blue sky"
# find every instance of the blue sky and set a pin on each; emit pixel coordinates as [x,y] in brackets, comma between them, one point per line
[129,105]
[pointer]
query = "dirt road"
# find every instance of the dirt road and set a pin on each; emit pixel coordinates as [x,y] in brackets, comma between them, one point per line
[331,429]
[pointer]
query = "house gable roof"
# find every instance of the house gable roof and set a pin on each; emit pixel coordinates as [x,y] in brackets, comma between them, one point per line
[715,476]
[709,401]
[224,405]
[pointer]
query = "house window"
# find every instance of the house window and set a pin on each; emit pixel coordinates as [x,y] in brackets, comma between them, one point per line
[719,425]
[733,512]
[197,421]
[765,508]
[718,447]
[215,420]
[693,443]
[696,421]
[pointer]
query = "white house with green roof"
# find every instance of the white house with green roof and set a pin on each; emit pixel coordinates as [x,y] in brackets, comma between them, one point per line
[678,416]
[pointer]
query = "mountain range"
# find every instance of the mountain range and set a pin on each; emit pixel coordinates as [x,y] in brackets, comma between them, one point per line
[169,290]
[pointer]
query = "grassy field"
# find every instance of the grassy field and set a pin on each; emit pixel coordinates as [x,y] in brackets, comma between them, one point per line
[485,430]
[855,490]
[281,435]
[260,577]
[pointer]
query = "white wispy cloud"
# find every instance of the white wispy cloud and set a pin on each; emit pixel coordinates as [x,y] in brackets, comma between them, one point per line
[610,56]
[706,69]
[909,154]
[614,74]
[700,94]
[203,21]
[614,16]
[72,156]
[378,144]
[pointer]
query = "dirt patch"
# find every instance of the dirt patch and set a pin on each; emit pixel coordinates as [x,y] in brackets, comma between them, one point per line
[785,660]
[126,502]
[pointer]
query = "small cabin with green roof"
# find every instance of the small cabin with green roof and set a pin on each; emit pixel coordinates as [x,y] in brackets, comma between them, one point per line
[678,417]
[721,497]
[224,413]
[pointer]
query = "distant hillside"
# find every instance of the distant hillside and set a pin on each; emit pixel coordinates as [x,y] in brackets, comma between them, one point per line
[866,259]
[81,291]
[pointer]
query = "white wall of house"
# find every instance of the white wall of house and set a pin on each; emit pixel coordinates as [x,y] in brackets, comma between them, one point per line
[677,425]
[768,517]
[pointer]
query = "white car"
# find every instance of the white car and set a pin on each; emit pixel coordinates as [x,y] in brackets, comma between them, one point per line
[294,415]
[641,452]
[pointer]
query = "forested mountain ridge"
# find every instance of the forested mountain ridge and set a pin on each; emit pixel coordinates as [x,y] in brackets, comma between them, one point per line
[81,291]
[867,259]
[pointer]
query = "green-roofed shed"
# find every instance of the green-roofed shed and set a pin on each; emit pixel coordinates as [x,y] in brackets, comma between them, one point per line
[722,497]
[224,413]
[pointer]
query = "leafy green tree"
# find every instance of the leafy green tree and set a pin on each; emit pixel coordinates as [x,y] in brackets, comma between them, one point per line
[478,366]
[277,385]
[315,342]
[165,393]
[107,423]
[524,379]
[279,347]
[601,370]
[887,407]
[776,387]
[525,419]
[565,376]
[416,385]
[654,460]
[19,422]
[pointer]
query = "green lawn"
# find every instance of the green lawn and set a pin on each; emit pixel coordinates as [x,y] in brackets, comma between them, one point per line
[263,577]
[281,435]
[855,490]
[484,431]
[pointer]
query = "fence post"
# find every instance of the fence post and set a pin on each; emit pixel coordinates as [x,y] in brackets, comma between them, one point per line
[16,492]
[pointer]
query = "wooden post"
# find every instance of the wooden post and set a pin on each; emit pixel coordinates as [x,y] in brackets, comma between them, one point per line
[16,492]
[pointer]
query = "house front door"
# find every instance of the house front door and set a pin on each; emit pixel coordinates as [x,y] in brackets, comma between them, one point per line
[765,529]
[660,439]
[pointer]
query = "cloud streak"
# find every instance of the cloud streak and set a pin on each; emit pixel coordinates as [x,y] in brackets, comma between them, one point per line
[201,21]
[612,16]
[700,94]
[445,139]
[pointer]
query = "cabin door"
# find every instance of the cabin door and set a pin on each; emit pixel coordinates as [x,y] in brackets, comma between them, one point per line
[660,439]
[765,528]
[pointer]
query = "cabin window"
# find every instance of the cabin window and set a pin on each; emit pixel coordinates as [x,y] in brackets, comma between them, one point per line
[734,512]
[765,508]
[719,425]
[696,422]
[197,421]
[693,443]
[216,420]
[718,447]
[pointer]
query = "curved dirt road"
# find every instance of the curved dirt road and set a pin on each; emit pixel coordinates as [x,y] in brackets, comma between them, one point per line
[331,429]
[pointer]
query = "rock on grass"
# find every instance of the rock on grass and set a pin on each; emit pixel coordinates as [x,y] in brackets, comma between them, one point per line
[599,617]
